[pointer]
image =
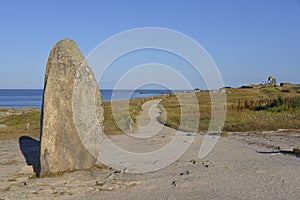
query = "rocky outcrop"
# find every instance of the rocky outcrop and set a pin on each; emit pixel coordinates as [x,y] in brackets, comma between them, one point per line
[69,82]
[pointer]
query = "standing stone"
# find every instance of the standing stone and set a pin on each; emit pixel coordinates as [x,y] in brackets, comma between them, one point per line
[69,83]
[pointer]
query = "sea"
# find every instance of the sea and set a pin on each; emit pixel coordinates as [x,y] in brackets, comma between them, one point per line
[19,98]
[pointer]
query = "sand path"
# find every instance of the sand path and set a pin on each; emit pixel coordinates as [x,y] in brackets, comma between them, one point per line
[241,166]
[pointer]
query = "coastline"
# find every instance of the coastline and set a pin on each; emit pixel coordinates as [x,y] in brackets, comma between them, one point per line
[242,165]
[19,98]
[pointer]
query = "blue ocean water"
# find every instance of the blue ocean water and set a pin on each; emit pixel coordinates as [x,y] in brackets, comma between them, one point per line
[18,98]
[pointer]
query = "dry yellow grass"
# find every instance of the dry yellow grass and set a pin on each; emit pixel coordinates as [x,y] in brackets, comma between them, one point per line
[14,126]
[237,119]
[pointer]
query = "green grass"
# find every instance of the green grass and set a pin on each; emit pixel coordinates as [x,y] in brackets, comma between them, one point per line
[266,108]
[16,125]
[280,110]
[121,122]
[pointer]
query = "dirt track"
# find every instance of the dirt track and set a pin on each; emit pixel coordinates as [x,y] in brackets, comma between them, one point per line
[241,166]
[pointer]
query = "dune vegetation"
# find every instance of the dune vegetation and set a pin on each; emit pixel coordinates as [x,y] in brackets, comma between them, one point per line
[247,109]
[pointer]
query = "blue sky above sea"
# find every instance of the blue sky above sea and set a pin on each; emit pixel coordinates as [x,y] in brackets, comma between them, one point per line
[247,39]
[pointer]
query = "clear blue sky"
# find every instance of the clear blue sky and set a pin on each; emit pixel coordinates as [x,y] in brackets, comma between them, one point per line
[248,39]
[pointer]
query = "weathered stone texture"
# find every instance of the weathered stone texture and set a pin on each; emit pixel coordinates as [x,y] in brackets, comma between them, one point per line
[68,77]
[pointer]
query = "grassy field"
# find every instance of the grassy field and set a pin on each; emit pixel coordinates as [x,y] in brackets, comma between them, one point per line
[121,120]
[261,109]
[20,124]
[255,109]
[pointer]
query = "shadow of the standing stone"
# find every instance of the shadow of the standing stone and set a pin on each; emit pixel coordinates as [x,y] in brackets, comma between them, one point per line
[30,148]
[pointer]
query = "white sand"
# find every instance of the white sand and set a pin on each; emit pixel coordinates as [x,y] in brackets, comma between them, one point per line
[241,166]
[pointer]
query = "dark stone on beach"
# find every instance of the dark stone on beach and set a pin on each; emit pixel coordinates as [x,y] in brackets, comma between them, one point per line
[208,164]
[173,184]
[184,173]
[68,84]
[193,161]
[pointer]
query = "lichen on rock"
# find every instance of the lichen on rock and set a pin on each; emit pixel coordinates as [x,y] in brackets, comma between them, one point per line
[68,80]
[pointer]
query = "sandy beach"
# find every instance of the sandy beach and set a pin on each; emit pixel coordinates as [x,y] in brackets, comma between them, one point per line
[241,166]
